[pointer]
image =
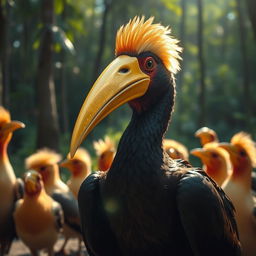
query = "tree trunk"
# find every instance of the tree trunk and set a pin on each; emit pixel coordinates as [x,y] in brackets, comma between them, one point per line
[182,43]
[202,104]
[48,130]
[251,4]
[63,87]
[102,39]
[4,53]
[245,64]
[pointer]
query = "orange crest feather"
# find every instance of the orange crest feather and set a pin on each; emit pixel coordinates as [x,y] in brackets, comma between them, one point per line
[103,145]
[42,157]
[139,36]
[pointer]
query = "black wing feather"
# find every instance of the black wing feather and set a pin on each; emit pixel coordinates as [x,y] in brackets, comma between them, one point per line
[70,208]
[204,211]
[98,236]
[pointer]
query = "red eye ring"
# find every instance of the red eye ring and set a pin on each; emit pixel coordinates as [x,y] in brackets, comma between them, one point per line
[149,64]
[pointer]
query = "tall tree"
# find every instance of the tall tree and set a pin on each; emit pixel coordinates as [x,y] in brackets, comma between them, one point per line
[47,129]
[245,64]
[251,4]
[201,60]
[102,38]
[2,25]
[64,110]
[182,41]
[5,9]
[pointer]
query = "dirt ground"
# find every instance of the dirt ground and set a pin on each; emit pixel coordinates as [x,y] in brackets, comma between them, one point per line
[19,249]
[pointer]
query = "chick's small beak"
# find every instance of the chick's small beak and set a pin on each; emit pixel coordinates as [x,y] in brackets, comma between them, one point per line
[65,164]
[12,126]
[31,185]
[119,83]
[198,152]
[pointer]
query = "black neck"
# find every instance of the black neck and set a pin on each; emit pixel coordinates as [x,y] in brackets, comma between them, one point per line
[140,148]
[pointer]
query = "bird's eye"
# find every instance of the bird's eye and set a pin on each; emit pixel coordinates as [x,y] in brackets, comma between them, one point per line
[75,162]
[242,153]
[149,64]
[214,155]
[42,168]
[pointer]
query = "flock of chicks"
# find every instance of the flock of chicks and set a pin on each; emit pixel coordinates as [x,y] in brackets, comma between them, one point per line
[42,206]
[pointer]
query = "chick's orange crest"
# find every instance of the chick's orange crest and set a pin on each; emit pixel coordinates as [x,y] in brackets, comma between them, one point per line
[102,146]
[42,157]
[139,36]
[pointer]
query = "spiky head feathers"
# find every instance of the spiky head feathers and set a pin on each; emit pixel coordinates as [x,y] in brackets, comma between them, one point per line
[42,157]
[139,36]
[244,140]
[102,146]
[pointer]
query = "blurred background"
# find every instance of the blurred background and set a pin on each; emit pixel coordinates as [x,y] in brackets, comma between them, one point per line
[51,52]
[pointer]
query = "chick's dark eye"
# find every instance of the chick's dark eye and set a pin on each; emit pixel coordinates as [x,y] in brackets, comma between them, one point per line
[214,155]
[242,153]
[75,162]
[43,168]
[149,64]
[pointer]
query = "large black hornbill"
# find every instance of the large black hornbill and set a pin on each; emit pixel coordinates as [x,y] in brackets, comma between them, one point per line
[147,204]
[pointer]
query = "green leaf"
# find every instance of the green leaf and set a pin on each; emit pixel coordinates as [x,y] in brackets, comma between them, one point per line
[173,6]
[59,6]
[36,44]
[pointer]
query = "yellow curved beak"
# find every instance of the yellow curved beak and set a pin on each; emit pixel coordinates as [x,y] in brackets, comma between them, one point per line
[120,82]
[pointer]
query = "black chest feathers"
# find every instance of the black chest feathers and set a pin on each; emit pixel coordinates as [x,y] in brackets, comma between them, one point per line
[143,215]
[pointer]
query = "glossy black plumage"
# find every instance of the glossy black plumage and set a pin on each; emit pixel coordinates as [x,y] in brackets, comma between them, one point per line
[148,204]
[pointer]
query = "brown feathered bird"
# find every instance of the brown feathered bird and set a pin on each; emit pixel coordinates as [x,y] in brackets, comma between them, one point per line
[38,218]
[175,149]
[10,186]
[147,203]
[216,161]
[80,168]
[242,152]
[105,150]
[45,162]
[206,135]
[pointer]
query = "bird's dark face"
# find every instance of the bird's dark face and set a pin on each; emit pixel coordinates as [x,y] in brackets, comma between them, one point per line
[139,80]
[160,81]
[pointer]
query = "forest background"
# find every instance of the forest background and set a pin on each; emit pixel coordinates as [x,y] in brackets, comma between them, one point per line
[51,52]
